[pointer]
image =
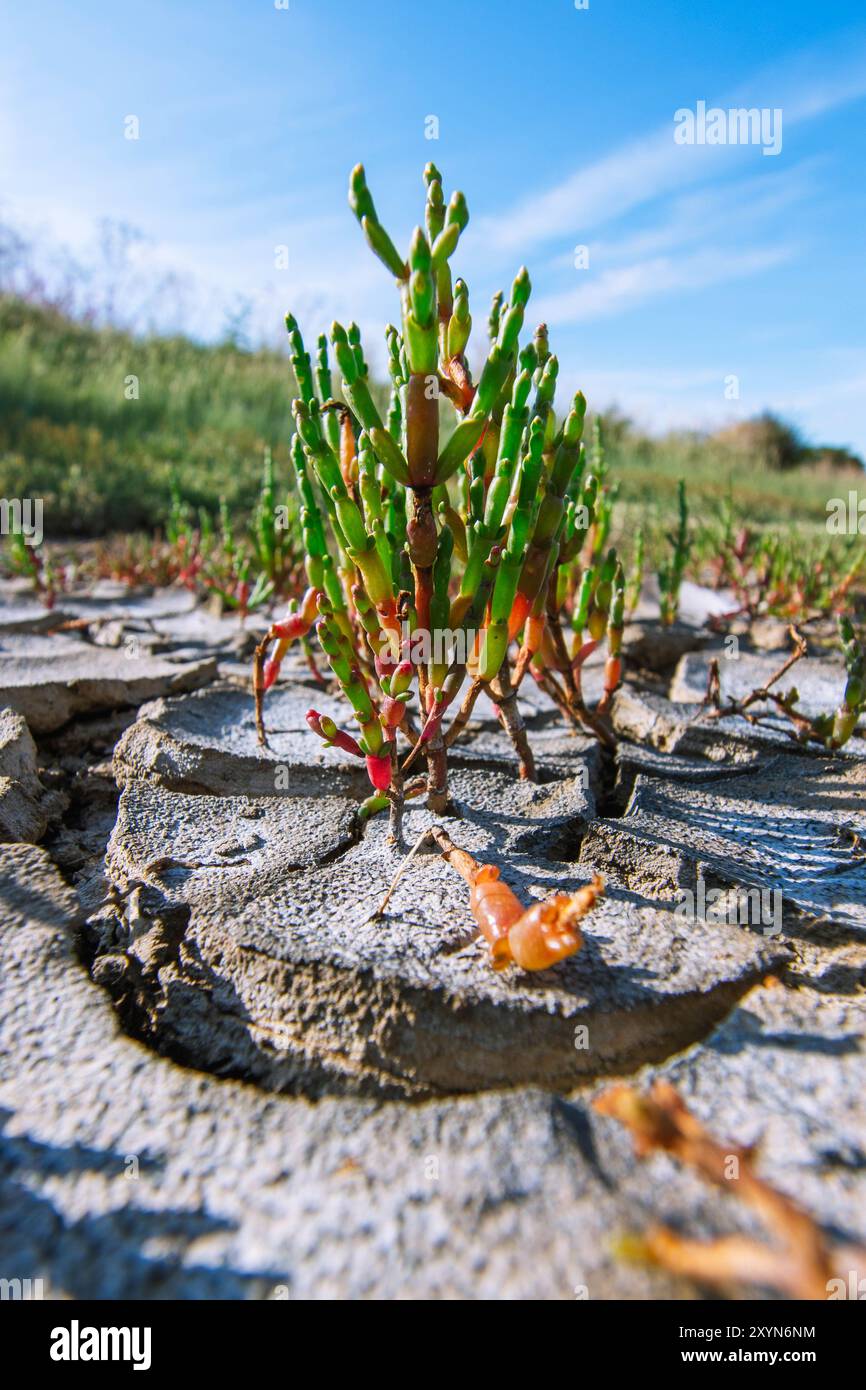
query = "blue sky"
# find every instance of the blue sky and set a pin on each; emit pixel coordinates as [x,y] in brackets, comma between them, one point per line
[705,262]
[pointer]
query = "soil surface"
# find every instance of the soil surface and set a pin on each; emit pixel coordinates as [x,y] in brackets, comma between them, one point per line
[224,1075]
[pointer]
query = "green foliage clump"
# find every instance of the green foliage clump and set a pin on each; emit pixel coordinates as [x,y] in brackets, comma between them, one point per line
[97,422]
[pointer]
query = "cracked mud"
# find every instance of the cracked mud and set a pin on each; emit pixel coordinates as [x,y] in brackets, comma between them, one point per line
[222,900]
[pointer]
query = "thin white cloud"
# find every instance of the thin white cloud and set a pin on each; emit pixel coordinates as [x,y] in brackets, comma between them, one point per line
[653,165]
[623,287]
[733,210]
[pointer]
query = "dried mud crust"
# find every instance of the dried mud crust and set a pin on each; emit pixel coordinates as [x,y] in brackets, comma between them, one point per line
[239,935]
[205,917]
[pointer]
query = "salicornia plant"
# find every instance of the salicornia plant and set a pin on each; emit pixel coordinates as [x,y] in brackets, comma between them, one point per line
[444,562]
[635,579]
[844,721]
[832,729]
[246,567]
[670,574]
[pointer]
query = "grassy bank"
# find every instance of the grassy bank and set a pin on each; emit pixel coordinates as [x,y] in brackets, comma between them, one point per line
[73,433]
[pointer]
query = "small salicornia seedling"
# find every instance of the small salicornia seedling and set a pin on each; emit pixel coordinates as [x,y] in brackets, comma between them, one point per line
[35,564]
[246,569]
[671,571]
[635,578]
[788,575]
[833,729]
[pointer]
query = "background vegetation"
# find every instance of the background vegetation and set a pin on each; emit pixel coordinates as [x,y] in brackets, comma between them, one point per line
[102,462]
[112,457]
